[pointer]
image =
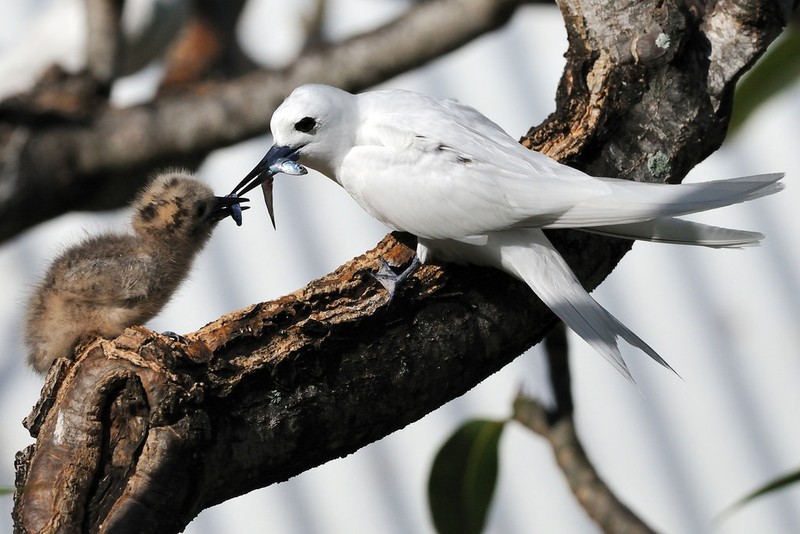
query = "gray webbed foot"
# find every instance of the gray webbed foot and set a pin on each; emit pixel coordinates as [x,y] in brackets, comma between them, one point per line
[391,280]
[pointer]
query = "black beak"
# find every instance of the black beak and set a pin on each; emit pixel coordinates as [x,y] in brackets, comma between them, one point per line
[257,175]
[228,206]
[263,175]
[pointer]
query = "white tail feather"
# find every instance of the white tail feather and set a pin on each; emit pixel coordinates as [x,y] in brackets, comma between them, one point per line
[533,258]
[679,231]
[635,211]
[527,254]
[633,202]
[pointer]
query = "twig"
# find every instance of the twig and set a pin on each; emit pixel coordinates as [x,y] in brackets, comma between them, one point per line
[104,40]
[558,428]
[313,25]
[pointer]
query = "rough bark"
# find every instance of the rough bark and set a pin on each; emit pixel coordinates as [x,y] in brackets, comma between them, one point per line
[267,392]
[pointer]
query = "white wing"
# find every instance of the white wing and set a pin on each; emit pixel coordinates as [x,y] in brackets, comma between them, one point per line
[420,166]
[442,170]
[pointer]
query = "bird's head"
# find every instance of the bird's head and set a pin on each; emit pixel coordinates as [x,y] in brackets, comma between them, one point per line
[315,123]
[177,207]
[314,126]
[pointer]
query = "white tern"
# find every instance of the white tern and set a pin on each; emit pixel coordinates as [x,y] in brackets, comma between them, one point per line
[472,194]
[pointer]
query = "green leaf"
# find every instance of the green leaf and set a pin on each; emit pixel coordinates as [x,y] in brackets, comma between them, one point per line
[6,491]
[463,478]
[778,483]
[776,70]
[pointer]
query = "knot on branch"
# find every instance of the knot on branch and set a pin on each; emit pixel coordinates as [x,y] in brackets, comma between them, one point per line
[104,428]
[609,71]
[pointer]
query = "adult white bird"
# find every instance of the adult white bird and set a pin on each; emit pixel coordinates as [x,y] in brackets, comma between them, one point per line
[472,194]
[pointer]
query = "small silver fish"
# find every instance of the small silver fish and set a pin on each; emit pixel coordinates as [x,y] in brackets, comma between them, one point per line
[265,177]
[287,166]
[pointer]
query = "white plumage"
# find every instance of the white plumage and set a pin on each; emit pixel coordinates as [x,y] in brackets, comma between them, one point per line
[473,194]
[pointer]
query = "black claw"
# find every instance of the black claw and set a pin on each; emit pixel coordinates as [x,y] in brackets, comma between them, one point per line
[175,337]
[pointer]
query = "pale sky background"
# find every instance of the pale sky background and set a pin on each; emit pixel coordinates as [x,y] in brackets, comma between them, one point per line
[677,455]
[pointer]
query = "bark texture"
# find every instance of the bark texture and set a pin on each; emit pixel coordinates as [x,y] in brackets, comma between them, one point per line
[140,433]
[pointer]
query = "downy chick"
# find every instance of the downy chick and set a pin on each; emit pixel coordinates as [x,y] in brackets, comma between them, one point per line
[111,281]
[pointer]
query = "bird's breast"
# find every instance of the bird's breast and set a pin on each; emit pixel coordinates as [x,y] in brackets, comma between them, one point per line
[415,192]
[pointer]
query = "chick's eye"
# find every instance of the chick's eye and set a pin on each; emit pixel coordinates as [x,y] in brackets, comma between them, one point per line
[306,124]
[200,210]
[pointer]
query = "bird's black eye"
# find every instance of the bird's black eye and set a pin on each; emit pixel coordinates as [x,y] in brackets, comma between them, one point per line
[306,124]
[200,210]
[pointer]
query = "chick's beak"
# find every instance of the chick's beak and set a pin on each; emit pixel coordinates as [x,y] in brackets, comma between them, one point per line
[228,206]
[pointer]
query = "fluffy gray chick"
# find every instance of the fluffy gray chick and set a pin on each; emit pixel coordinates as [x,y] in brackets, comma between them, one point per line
[109,282]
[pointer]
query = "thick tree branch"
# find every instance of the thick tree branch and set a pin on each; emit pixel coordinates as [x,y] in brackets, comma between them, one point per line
[102,160]
[267,392]
[261,394]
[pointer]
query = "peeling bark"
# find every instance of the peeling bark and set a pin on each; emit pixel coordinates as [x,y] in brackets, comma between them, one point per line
[261,394]
[160,429]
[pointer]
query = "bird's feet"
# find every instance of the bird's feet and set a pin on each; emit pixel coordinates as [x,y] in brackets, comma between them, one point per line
[391,280]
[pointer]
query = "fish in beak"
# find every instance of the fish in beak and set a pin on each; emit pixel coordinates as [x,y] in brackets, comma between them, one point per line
[277,159]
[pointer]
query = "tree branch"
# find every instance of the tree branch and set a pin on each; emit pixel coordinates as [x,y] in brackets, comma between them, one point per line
[104,41]
[267,392]
[610,514]
[207,47]
[262,394]
[557,426]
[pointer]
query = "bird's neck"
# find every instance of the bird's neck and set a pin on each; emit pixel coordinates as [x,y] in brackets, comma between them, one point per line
[326,168]
[173,253]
